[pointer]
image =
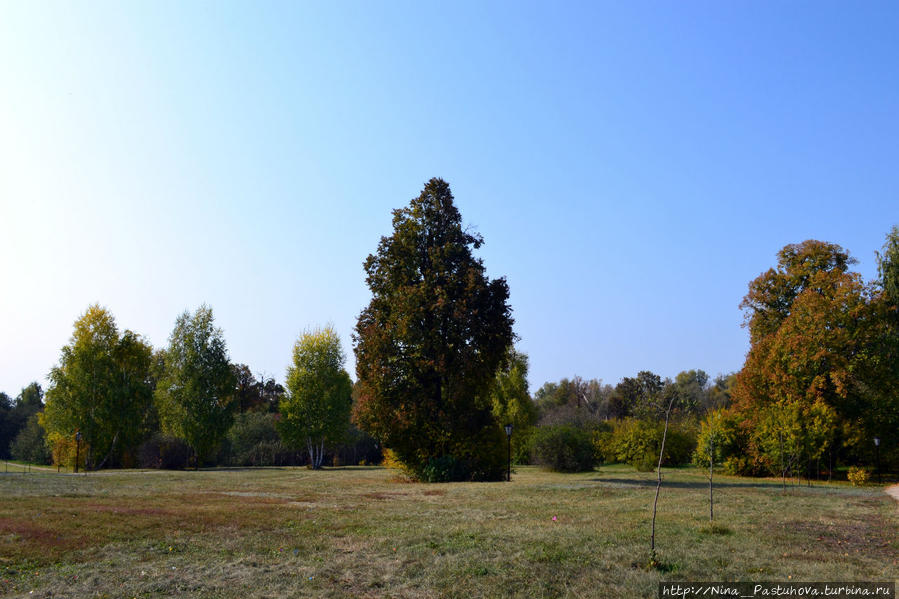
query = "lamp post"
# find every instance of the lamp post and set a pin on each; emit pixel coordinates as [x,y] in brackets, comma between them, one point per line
[77,449]
[877,458]
[508,428]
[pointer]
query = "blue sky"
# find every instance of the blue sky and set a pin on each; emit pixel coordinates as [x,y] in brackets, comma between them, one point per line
[631,166]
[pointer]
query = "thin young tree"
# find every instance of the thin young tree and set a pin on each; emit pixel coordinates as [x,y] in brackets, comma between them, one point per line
[709,450]
[663,403]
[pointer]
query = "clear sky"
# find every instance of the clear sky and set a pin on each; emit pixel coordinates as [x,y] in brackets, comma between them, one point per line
[631,165]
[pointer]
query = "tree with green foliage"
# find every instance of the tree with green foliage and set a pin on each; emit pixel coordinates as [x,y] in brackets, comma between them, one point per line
[315,413]
[15,414]
[8,427]
[195,394]
[30,445]
[888,268]
[693,388]
[710,449]
[512,404]
[720,392]
[430,342]
[779,434]
[100,388]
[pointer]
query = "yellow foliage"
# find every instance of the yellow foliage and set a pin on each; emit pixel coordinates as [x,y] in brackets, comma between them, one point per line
[64,450]
[859,477]
[392,462]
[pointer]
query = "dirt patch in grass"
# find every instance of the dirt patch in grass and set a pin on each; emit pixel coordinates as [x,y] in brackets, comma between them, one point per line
[873,537]
[52,542]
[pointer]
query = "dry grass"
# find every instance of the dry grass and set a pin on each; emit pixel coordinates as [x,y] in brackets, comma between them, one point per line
[357,532]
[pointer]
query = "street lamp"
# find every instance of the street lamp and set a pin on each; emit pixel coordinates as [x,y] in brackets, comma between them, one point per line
[508,428]
[877,458]
[77,449]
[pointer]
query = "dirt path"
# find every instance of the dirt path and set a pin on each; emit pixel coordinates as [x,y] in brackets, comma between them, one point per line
[19,467]
[893,491]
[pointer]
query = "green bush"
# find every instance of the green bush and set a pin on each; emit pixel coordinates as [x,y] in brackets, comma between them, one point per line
[253,439]
[679,445]
[443,469]
[637,442]
[564,448]
[634,442]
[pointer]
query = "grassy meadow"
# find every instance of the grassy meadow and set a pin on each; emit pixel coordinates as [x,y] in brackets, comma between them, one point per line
[362,532]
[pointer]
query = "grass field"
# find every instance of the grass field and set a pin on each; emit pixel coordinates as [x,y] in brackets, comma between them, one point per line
[360,532]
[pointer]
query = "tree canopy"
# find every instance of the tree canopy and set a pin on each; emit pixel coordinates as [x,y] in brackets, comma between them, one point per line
[100,388]
[819,349]
[195,396]
[316,411]
[430,342]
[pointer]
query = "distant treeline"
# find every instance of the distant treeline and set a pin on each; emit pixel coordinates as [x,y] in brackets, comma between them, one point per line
[439,381]
[114,401]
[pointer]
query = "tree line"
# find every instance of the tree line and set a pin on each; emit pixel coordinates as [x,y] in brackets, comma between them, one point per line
[114,401]
[438,377]
[817,392]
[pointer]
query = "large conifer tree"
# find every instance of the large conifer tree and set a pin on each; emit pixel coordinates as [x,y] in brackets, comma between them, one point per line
[429,344]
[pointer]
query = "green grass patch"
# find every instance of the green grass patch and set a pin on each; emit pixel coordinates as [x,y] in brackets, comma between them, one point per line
[358,532]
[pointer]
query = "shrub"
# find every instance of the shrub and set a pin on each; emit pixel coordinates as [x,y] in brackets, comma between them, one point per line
[444,469]
[253,439]
[859,477]
[679,445]
[636,442]
[739,466]
[564,448]
[271,453]
[164,451]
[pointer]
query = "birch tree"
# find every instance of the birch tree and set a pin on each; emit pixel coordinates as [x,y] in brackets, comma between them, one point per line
[315,413]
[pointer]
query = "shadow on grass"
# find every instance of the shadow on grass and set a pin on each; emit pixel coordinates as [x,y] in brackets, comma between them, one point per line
[679,484]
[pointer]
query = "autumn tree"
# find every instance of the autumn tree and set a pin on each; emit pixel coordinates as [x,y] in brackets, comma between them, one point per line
[100,388]
[819,341]
[430,342]
[195,394]
[315,414]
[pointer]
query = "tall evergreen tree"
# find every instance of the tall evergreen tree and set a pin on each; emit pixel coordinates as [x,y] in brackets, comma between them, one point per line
[430,342]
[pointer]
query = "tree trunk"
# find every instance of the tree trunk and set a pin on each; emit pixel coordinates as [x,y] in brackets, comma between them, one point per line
[109,453]
[711,474]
